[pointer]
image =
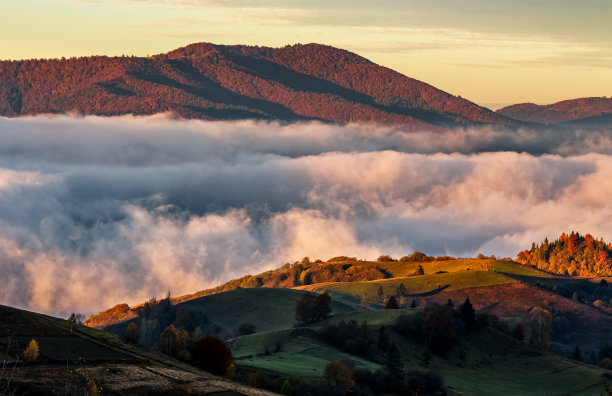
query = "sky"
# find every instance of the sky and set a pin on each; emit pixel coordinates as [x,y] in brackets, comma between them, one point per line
[491,52]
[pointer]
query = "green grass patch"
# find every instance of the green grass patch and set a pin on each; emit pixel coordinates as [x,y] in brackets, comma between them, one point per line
[308,363]
[378,317]
[266,308]
[417,286]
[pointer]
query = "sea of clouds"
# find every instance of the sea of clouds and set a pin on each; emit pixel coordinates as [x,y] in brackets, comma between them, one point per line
[97,211]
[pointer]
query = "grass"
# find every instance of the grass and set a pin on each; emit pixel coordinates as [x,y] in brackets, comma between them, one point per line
[378,317]
[307,363]
[266,308]
[416,286]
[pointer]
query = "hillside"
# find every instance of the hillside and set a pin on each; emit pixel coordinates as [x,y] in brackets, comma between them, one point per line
[71,360]
[218,82]
[255,315]
[591,111]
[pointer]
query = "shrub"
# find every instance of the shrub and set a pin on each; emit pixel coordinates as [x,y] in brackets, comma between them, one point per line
[339,377]
[131,332]
[31,352]
[211,354]
[392,303]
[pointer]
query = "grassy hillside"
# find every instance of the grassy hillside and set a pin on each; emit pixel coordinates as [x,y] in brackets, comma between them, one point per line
[267,309]
[487,362]
[69,359]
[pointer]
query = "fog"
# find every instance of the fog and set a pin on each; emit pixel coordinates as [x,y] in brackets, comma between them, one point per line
[97,211]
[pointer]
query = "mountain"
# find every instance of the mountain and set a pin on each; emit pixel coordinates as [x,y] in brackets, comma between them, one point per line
[590,110]
[218,82]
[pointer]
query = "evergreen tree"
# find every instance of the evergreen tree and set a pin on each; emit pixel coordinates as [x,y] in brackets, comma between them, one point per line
[467,313]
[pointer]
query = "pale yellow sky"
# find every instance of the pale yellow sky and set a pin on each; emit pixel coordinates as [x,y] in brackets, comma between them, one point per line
[489,52]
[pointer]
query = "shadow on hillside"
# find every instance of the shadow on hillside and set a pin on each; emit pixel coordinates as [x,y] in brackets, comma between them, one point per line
[306,83]
[209,90]
[429,293]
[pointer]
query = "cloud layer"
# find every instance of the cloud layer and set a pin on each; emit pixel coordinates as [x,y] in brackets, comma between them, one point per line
[97,211]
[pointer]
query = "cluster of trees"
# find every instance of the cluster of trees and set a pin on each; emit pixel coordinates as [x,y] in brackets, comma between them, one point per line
[571,254]
[351,337]
[439,327]
[209,352]
[311,308]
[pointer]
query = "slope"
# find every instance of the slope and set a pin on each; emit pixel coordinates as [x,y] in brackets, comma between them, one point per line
[207,81]
[70,358]
[593,110]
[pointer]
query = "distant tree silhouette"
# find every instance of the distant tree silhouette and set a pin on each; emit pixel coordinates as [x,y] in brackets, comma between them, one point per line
[438,330]
[391,303]
[339,377]
[420,270]
[310,309]
[467,313]
[541,324]
[168,341]
[211,354]
[381,295]
[518,332]
[131,332]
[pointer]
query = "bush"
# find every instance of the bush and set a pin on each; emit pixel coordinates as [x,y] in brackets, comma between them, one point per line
[131,333]
[392,303]
[310,309]
[423,382]
[211,354]
[31,352]
[339,377]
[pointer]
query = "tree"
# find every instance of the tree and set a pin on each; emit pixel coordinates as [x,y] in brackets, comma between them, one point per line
[31,352]
[304,308]
[577,354]
[420,270]
[393,363]
[309,308]
[401,290]
[541,324]
[518,332]
[131,332]
[575,297]
[339,377]
[211,354]
[72,321]
[383,339]
[381,294]
[286,387]
[322,306]
[391,303]
[168,341]
[467,313]
[438,330]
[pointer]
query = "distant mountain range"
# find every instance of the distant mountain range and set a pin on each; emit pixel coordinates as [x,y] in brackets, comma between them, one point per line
[293,83]
[583,111]
[218,82]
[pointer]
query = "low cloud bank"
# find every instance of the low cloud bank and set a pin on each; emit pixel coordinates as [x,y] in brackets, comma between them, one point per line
[96,211]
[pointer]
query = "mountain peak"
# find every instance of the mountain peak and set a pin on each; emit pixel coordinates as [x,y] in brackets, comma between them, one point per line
[208,81]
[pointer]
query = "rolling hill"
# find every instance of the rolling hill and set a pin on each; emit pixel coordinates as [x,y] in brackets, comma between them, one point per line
[71,359]
[587,111]
[218,82]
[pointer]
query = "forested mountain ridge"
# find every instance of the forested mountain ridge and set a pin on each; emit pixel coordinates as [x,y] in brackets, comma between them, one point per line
[567,111]
[207,81]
